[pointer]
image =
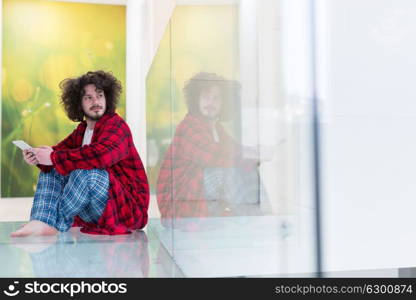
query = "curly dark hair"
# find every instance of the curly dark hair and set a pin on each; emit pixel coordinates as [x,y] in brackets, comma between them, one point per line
[73,90]
[202,81]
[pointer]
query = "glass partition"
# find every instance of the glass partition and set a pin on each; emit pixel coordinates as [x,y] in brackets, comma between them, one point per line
[229,139]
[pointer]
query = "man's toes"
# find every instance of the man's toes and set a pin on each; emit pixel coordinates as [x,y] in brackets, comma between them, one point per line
[20,232]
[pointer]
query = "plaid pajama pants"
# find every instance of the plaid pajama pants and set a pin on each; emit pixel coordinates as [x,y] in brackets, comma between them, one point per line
[232,191]
[232,185]
[58,199]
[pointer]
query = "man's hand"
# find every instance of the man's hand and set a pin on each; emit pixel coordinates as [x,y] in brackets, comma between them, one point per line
[30,157]
[43,155]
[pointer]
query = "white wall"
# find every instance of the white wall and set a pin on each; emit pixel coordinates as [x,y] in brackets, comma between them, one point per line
[1,73]
[369,134]
[146,21]
[137,53]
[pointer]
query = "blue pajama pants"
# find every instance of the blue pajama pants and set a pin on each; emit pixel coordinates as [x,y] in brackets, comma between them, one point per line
[232,185]
[58,199]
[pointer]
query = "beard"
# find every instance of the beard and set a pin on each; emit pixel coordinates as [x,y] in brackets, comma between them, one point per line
[93,116]
[210,113]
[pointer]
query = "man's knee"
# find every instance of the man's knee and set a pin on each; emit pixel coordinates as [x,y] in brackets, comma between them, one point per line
[50,176]
[78,174]
[91,176]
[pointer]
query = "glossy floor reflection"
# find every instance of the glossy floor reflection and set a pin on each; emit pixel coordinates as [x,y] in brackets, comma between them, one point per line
[74,254]
[240,246]
[217,247]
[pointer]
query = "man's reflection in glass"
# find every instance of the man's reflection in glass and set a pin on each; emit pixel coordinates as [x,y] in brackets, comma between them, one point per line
[205,172]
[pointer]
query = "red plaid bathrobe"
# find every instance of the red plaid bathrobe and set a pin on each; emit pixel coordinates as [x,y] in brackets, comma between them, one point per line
[111,149]
[180,191]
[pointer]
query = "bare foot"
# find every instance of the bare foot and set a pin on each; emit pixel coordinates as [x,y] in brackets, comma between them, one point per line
[35,228]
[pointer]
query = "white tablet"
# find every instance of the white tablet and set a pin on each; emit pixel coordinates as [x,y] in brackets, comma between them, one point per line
[22,145]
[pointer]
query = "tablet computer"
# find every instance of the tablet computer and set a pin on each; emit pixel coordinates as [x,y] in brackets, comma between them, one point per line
[22,145]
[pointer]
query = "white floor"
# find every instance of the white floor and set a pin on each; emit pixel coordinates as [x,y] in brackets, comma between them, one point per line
[217,252]
[239,246]
[255,246]
[74,254]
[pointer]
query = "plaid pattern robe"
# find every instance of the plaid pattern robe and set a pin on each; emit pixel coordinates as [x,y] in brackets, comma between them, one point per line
[180,191]
[111,149]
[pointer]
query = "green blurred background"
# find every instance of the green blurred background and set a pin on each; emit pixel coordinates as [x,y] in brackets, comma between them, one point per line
[45,42]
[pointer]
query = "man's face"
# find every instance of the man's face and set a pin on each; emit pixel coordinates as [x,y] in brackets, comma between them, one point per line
[210,102]
[93,102]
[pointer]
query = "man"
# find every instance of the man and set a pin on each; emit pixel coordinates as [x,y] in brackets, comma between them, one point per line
[94,178]
[205,171]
